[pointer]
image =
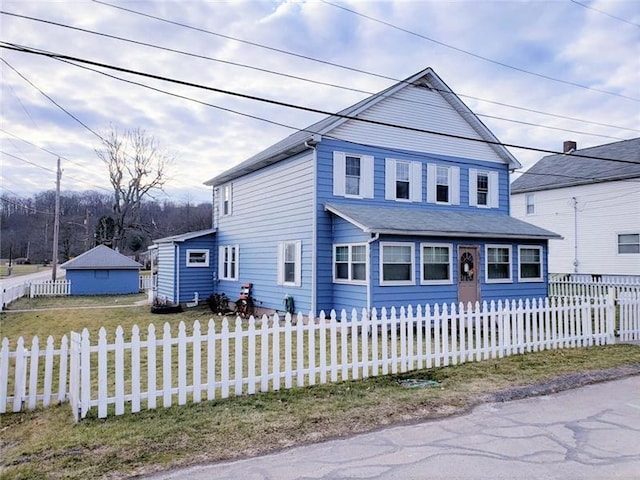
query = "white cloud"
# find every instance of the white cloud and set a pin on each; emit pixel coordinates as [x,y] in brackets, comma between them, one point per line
[557,39]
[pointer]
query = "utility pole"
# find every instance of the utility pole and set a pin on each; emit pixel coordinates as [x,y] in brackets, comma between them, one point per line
[56,224]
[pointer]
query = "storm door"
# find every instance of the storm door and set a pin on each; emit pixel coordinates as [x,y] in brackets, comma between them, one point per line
[468,275]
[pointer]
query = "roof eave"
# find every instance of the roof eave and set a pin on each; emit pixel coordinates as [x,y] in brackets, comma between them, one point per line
[438,233]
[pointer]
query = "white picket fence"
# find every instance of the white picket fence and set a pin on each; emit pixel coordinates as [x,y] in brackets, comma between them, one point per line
[146,282]
[242,357]
[629,308]
[586,285]
[49,288]
[9,294]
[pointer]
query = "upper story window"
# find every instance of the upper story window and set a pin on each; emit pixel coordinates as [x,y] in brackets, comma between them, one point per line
[225,199]
[403,180]
[628,243]
[443,184]
[350,263]
[483,189]
[498,263]
[290,263]
[352,175]
[396,264]
[530,264]
[531,206]
[197,258]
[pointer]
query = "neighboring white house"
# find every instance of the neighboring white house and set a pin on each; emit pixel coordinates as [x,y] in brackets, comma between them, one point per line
[592,202]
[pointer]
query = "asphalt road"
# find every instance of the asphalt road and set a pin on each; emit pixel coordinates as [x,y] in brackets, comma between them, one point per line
[590,433]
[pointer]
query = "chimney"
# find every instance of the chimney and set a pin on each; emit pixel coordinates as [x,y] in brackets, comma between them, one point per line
[569,146]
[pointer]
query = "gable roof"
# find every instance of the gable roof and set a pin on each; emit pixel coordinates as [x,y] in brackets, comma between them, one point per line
[411,221]
[567,170]
[101,257]
[185,236]
[298,142]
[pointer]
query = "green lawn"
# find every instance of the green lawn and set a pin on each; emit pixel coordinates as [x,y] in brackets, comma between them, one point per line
[18,270]
[46,443]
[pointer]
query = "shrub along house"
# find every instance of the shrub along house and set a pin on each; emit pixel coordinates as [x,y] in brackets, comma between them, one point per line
[400,199]
[102,271]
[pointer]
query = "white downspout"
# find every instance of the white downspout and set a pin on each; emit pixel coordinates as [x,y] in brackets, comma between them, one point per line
[369,242]
[314,226]
[575,235]
[177,266]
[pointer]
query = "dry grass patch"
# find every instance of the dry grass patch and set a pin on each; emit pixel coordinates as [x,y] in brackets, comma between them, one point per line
[47,444]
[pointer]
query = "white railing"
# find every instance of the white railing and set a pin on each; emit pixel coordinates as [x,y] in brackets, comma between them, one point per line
[50,288]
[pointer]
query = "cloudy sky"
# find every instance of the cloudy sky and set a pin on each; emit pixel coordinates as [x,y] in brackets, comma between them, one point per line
[536,72]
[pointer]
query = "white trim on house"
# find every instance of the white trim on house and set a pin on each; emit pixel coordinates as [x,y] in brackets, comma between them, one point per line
[201,257]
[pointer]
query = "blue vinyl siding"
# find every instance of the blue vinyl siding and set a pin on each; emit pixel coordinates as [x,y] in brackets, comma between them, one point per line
[388,296]
[196,279]
[270,206]
[166,281]
[325,176]
[103,282]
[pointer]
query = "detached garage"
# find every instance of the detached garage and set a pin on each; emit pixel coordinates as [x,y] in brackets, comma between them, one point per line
[102,271]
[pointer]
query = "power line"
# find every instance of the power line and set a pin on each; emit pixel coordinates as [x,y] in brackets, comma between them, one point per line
[317,82]
[30,50]
[475,55]
[605,13]
[337,65]
[50,99]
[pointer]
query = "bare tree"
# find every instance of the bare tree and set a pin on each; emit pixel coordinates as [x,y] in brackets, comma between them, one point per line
[137,166]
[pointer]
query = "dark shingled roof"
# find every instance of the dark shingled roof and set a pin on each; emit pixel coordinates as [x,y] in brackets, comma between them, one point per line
[567,170]
[429,222]
[103,258]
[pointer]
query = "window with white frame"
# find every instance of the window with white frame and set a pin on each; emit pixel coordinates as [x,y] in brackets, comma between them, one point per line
[350,263]
[443,184]
[530,202]
[197,257]
[352,175]
[483,189]
[628,243]
[225,199]
[498,264]
[437,263]
[530,264]
[403,180]
[290,263]
[396,264]
[228,262]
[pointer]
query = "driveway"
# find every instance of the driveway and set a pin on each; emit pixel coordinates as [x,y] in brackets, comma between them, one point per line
[10,281]
[588,433]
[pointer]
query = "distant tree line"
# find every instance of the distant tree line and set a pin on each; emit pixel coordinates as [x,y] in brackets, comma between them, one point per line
[88,219]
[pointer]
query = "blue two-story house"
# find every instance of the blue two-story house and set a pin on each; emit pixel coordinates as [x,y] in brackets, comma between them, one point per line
[400,199]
